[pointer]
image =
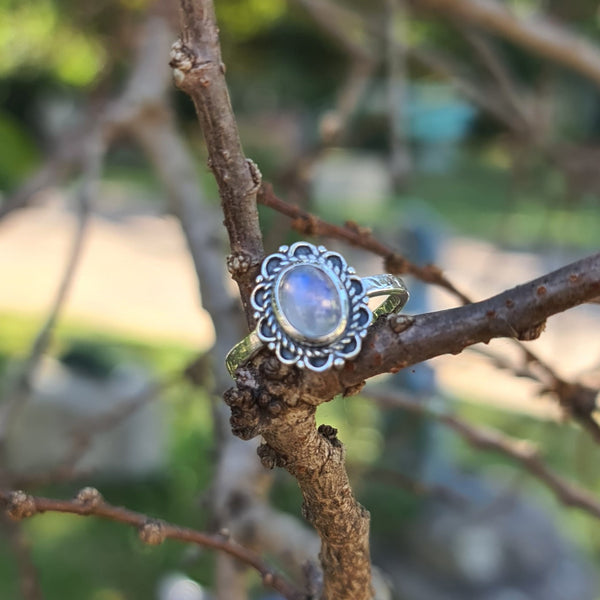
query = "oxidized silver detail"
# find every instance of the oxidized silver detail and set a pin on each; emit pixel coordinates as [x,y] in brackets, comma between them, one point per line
[291,345]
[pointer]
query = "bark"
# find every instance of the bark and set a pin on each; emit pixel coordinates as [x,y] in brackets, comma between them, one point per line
[340,521]
[316,459]
[398,341]
[200,72]
[517,313]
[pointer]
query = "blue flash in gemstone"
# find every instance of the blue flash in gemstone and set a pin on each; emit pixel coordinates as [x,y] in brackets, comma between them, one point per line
[310,302]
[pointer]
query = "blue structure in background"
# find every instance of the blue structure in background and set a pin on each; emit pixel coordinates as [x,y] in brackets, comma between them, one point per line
[437,120]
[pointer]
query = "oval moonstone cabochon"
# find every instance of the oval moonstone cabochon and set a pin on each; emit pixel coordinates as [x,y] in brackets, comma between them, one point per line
[310,301]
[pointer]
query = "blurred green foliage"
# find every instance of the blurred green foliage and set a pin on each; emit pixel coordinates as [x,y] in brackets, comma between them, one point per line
[243,19]
[36,37]
[23,156]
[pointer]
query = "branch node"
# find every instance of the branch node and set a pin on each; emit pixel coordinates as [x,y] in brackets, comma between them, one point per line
[90,498]
[20,506]
[396,264]
[330,434]
[358,229]
[256,177]
[399,323]
[273,369]
[152,532]
[238,264]
[533,332]
[182,60]
[269,458]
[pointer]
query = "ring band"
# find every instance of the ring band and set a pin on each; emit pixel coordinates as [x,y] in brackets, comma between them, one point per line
[312,308]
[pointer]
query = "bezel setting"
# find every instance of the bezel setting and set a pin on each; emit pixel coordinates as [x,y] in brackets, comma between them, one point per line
[292,345]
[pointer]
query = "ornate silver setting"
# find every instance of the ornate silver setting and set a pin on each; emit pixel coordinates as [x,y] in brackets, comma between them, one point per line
[291,345]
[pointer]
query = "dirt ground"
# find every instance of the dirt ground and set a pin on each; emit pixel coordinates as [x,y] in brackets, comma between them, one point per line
[135,276]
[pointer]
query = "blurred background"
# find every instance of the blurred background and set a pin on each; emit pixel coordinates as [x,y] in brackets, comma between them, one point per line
[453,145]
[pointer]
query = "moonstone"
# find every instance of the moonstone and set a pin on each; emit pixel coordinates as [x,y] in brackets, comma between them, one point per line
[310,301]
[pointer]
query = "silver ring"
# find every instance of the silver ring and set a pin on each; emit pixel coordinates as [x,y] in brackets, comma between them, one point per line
[312,308]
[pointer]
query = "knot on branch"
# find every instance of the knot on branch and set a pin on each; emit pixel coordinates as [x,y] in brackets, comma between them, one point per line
[256,176]
[359,230]
[239,264]
[306,224]
[20,506]
[152,532]
[396,264]
[330,434]
[274,370]
[399,323]
[269,458]
[182,61]
[254,407]
[532,333]
[90,498]
[264,390]
[245,416]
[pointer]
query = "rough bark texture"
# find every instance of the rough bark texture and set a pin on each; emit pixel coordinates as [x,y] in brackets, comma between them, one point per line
[316,459]
[398,341]
[200,72]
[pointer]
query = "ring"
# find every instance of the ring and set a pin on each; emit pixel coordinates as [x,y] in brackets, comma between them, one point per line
[312,308]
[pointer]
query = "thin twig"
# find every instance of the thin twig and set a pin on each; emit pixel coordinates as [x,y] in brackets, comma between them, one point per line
[465,85]
[89,502]
[309,224]
[577,400]
[524,453]
[487,53]
[28,575]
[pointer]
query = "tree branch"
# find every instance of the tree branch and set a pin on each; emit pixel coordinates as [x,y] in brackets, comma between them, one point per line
[541,36]
[361,237]
[315,461]
[89,502]
[399,341]
[200,72]
[576,399]
[506,86]
[28,575]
